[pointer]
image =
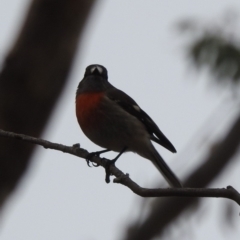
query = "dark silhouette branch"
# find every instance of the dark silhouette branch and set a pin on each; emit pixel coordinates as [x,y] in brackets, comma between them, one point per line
[33,76]
[212,166]
[124,179]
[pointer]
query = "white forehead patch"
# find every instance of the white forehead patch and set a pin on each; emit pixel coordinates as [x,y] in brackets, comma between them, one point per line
[100,69]
[92,69]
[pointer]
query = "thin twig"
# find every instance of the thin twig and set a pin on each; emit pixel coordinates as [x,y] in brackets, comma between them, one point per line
[124,179]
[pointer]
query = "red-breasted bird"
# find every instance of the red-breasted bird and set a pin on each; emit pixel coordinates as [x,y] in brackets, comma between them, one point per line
[114,121]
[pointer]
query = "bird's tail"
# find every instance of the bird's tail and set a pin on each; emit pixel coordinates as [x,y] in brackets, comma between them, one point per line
[167,173]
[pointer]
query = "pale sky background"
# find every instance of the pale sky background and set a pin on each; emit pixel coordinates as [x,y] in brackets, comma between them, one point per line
[60,197]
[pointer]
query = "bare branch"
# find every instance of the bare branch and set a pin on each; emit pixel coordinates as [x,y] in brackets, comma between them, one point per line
[212,166]
[124,179]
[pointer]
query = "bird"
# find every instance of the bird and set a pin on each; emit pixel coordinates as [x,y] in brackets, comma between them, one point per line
[114,121]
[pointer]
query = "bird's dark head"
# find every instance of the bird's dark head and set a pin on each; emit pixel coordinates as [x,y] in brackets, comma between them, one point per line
[95,79]
[97,71]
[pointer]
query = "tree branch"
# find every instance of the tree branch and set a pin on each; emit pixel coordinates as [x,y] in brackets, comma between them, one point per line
[124,179]
[33,76]
[222,154]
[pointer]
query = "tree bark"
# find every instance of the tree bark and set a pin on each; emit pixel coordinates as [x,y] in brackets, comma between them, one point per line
[33,76]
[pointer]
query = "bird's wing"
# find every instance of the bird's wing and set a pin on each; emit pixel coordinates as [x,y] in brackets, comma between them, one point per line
[130,106]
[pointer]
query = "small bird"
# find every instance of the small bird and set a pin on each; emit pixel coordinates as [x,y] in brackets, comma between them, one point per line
[114,121]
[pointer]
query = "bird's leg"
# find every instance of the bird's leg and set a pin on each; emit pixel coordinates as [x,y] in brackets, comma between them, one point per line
[90,155]
[111,162]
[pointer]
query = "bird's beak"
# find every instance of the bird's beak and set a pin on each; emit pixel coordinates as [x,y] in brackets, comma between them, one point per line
[95,70]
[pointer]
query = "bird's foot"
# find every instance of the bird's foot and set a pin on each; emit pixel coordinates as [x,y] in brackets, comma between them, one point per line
[93,154]
[109,163]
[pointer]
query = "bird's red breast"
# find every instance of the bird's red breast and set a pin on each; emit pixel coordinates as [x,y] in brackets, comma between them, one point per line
[86,108]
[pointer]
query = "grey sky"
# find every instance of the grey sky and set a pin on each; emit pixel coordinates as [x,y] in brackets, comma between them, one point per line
[60,197]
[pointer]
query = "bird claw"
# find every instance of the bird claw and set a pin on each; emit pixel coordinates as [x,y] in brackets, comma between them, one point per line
[90,156]
[97,154]
[88,162]
[95,164]
[109,163]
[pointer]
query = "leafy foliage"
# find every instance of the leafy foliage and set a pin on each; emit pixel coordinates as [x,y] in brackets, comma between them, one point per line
[214,47]
[221,57]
